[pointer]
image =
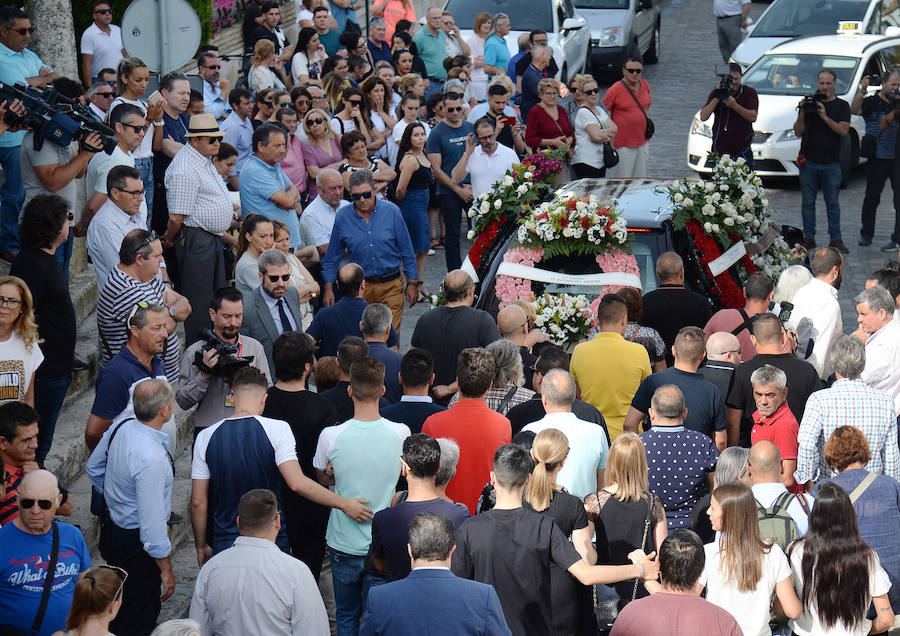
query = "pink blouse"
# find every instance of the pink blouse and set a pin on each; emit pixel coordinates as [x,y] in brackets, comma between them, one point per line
[294,166]
[315,156]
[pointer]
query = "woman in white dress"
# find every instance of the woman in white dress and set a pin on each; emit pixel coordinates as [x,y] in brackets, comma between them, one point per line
[266,71]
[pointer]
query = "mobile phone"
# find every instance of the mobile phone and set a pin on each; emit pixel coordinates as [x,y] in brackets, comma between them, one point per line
[156,97]
[508,121]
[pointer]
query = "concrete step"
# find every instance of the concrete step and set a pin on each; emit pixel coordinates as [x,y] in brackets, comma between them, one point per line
[84,293]
[86,350]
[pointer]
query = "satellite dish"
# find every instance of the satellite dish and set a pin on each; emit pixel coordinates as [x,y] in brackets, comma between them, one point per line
[165,34]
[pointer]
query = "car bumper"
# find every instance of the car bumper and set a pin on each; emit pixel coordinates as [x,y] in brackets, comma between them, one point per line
[771,158]
[607,58]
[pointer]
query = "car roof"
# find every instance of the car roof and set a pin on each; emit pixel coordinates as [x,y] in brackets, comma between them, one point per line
[644,203]
[849,45]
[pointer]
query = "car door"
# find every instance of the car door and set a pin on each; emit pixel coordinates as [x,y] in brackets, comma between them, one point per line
[643,23]
[567,40]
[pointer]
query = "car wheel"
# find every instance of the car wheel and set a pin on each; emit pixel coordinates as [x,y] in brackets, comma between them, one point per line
[652,56]
[849,157]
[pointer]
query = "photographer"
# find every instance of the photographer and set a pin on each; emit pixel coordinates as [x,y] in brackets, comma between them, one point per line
[879,112]
[208,390]
[823,120]
[735,107]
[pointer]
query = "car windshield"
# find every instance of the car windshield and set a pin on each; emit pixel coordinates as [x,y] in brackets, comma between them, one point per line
[790,18]
[601,4]
[796,74]
[524,15]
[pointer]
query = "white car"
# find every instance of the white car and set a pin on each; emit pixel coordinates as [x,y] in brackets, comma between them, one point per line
[567,33]
[786,74]
[786,19]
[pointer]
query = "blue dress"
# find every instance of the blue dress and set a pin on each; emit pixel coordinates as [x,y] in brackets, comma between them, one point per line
[414,208]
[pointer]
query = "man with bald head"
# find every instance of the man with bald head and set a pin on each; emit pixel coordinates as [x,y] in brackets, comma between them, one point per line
[447,330]
[26,554]
[723,354]
[764,468]
[332,324]
[672,306]
[512,323]
[770,339]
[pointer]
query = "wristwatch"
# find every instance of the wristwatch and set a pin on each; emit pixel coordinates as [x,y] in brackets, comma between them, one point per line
[172,311]
[157,124]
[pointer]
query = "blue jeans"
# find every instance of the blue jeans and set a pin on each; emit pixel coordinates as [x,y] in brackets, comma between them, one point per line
[145,165]
[434,86]
[12,196]
[64,255]
[827,177]
[49,394]
[351,586]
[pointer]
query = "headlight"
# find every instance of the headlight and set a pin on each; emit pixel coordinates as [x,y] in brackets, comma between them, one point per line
[787,135]
[700,128]
[608,37]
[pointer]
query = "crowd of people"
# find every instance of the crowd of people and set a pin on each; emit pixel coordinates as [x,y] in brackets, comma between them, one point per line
[672,475]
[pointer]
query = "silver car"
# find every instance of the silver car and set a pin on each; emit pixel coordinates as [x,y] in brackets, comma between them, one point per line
[621,29]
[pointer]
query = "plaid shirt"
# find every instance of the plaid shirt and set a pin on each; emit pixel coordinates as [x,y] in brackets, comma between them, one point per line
[495,396]
[852,403]
[196,191]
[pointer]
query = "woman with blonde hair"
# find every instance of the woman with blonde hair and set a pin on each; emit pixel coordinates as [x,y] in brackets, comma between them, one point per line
[95,602]
[322,148]
[412,83]
[265,71]
[20,354]
[741,569]
[625,514]
[482,31]
[301,279]
[333,86]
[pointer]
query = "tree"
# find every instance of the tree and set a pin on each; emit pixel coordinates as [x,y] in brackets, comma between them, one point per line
[54,35]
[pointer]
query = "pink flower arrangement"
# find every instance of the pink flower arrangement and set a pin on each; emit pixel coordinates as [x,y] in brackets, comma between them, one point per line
[611,261]
[509,288]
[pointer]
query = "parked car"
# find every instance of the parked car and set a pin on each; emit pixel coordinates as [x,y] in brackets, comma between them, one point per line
[567,32]
[786,74]
[786,19]
[621,29]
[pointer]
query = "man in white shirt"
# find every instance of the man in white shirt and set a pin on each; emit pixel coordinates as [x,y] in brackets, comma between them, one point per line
[582,473]
[731,17]
[238,129]
[487,162]
[816,318]
[318,217]
[233,594]
[875,310]
[101,43]
[764,472]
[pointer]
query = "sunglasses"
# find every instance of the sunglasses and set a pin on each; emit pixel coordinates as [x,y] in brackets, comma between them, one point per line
[123,576]
[137,129]
[361,195]
[283,277]
[27,504]
[452,109]
[314,122]
[70,216]
[109,95]
[103,11]
[24,31]
[214,67]
[634,70]
[284,104]
[354,102]
[593,91]
[141,305]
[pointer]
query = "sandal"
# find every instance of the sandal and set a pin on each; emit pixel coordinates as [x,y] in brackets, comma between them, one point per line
[423,295]
[437,244]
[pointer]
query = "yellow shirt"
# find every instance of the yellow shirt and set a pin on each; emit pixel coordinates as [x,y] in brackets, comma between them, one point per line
[609,370]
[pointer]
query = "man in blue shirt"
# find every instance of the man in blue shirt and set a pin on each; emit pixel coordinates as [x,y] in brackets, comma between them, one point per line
[265,188]
[239,130]
[374,234]
[524,43]
[176,88]
[496,53]
[445,146]
[331,324]
[17,64]
[215,87]
[133,468]
[378,47]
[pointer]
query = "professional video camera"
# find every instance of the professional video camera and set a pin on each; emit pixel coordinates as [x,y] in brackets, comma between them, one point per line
[726,82]
[894,97]
[229,363]
[810,104]
[54,117]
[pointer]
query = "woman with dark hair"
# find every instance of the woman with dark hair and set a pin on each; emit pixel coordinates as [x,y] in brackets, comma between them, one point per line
[376,109]
[306,65]
[403,40]
[547,124]
[262,107]
[224,163]
[741,569]
[301,100]
[45,227]
[350,116]
[402,60]
[257,235]
[415,176]
[838,575]
[95,602]
[353,146]
[646,336]
[307,414]
[875,498]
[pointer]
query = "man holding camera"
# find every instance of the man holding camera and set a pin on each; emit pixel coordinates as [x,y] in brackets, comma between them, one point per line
[823,120]
[207,388]
[735,107]
[878,110]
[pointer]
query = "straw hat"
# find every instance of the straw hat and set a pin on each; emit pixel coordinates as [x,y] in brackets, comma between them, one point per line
[204,125]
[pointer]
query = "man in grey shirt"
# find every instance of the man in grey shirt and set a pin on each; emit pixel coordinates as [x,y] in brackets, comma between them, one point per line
[208,391]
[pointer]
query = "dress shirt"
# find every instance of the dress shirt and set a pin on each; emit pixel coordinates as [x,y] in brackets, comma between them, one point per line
[424,399]
[213,102]
[16,67]
[259,181]
[98,170]
[487,169]
[234,594]
[196,191]
[272,304]
[139,463]
[882,370]
[766,494]
[853,403]
[376,246]
[104,237]
[99,114]
[817,321]
[238,133]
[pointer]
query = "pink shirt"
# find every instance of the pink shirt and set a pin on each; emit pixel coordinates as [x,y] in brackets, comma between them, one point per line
[294,166]
[315,156]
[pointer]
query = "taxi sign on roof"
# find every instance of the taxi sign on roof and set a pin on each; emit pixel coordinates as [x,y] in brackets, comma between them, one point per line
[849,27]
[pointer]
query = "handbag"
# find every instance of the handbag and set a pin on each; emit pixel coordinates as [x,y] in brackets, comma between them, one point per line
[651,128]
[606,611]
[610,154]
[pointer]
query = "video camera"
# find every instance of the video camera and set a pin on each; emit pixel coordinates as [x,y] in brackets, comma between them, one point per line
[53,116]
[229,362]
[726,82]
[810,105]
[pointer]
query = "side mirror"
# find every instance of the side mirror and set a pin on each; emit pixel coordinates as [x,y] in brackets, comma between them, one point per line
[645,4]
[572,24]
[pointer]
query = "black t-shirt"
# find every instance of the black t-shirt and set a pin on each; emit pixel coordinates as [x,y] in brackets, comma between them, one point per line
[719,373]
[820,144]
[731,132]
[307,414]
[446,331]
[53,310]
[705,403]
[513,550]
[802,380]
[668,308]
[342,403]
[263,33]
[505,137]
[251,12]
[525,413]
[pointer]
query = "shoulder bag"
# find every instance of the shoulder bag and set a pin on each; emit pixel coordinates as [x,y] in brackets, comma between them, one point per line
[610,155]
[606,611]
[48,581]
[651,128]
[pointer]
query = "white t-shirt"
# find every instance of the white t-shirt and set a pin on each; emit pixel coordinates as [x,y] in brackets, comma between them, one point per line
[146,148]
[400,126]
[750,609]
[486,169]
[99,168]
[303,13]
[586,151]
[342,126]
[106,50]
[17,367]
[300,64]
[808,623]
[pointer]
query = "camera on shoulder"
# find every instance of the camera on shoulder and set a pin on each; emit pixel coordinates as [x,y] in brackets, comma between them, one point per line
[229,362]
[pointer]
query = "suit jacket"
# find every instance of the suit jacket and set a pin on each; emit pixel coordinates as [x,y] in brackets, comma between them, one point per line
[258,322]
[433,602]
[413,414]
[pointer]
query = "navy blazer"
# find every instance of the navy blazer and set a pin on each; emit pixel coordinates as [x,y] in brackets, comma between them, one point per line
[258,322]
[434,602]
